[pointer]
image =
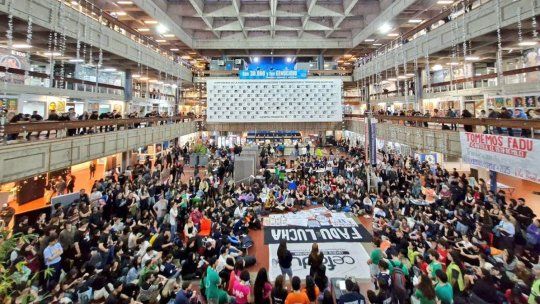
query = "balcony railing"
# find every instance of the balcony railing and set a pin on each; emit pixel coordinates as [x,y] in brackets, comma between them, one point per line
[13,132]
[480,81]
[12,75]
[491,125]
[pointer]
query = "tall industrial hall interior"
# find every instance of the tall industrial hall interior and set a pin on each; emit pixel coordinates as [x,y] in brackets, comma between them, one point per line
[269,151]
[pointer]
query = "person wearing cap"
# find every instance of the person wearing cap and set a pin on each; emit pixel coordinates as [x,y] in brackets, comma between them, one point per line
[351,296]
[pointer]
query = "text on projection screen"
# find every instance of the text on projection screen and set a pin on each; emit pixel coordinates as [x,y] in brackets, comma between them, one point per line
[286,100]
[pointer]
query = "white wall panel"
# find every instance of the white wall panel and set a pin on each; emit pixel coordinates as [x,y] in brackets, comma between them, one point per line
[276,100]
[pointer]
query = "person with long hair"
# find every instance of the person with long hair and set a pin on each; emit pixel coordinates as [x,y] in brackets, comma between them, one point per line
[321,280]
[279,293]
[425,292]
[315,259]
[262,288]
[311,289]
[285,259]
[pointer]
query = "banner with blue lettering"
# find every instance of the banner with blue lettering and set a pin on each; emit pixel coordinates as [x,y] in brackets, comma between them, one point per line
[273,74]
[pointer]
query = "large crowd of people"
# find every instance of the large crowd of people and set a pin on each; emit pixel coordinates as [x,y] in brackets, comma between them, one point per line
[155,234]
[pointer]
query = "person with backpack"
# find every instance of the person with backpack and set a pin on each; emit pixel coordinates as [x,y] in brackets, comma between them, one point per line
[399,281]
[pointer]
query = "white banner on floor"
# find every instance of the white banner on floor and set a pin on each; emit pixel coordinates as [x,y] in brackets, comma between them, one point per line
[341,260]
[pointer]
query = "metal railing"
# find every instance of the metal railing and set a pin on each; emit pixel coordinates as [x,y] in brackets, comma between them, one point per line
[14,132]
[13,75]
[489,125]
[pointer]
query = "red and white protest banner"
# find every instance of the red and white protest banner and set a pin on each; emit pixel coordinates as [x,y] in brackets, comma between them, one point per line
[515,156]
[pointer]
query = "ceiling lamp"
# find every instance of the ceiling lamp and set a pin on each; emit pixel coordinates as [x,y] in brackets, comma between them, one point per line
[443,2]
[393,35]
[150,22]
[75,60]
[391,79]
[377,44]
[168,35]
[409,75]
[143,29]
[472,58]
[124,2]
[109,70]
[174,50]
[21,46]
[402,77]
[161,40]
[369,40]
[256,59]
[162,29]
[436,67]
[527,43]
[416,21]
[289,59]
[385,28]
[452,63]
[52,54]
[135,76]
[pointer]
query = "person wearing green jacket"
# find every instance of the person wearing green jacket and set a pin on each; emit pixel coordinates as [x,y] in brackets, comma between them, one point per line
[454,273]
[211,282]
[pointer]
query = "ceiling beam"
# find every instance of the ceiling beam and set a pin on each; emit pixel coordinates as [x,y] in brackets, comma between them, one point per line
[154,11]
[389,14]
[348,5]
[273,10]
[198,5]
[310,4]
[265,43]
[236,4]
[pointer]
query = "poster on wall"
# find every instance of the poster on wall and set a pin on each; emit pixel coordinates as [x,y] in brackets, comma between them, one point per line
[9,104]
[59,106]
[273,100]
[515,156]
[341,260]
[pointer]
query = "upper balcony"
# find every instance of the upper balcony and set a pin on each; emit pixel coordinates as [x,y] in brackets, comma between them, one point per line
[62,31]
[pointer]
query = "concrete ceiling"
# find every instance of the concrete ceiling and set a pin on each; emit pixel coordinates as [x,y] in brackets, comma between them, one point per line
[302,28]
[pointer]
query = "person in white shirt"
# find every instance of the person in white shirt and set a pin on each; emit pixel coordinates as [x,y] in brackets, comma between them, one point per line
[173,214]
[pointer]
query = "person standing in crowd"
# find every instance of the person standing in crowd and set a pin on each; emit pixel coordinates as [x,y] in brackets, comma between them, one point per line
[351,296]
[279,292]
[297,296]
[52,256]
[285,259]
[262,288]
[315,259]
[92,169]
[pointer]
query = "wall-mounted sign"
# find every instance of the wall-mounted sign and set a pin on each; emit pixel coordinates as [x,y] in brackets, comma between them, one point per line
[273,74]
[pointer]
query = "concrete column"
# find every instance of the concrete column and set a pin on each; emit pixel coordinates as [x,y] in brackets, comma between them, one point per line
[178,98]
[493,181]
[320,62]
[126,159]
[418,90]
[128,86]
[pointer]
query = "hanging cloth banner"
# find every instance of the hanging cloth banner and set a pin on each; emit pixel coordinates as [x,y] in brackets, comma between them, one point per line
[515,156]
